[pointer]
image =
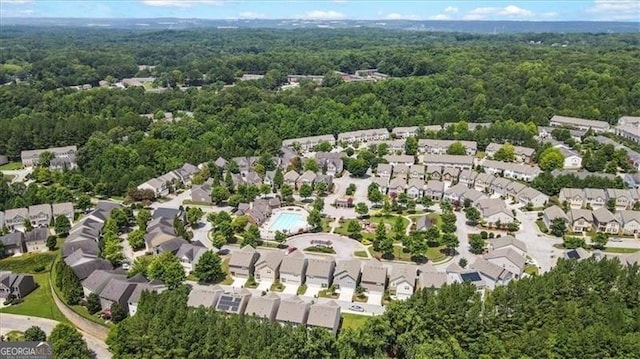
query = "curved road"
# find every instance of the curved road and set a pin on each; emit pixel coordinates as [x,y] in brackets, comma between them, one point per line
[9,322]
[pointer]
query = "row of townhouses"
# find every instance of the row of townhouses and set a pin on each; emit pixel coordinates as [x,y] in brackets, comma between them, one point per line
[600,220]
[161,185]
[40,215]
[63,157]
[595,198]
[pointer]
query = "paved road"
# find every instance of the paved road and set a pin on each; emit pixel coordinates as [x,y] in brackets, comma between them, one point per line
[343,246]
[340,186]
[19,175]
[539,245]
[11,322]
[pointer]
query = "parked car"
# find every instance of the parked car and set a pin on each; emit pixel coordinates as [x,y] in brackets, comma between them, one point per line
[356,308]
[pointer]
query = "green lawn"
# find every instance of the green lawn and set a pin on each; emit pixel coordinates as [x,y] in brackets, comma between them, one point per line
[11,166]
[353,321]
[388,220]
[325,294]
[541,226]
[225,267]
[28,262]
[38,303]
[14,336]
[277,286]
[302,289]
[435,254]
[362,254]
[531,269]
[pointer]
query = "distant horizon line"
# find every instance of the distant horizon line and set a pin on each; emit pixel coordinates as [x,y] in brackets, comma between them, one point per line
[310,20]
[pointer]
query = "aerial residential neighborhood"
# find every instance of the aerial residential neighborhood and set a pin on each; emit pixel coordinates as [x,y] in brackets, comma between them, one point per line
[209,179]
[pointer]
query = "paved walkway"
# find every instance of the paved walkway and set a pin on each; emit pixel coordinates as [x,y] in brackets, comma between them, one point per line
[343,246]
[11,322]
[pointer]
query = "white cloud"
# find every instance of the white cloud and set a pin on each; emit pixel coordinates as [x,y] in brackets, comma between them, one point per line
[451,10]
[179,3]
[440,17]
[252,15]
[615,10]
[16,1]
[510,11]
[396,16]
[322,15]
[549,14]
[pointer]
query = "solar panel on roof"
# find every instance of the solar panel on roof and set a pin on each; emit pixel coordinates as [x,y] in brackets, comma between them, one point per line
[470,277]
[573,255]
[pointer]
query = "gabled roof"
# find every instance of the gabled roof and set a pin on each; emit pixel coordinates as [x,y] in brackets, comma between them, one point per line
[244,257]
[508,253]
[506,241]
[374,272]
[434,186]
[319,267]
[37,234]
[433,279]
[117,290]
[10,214]
[85,267]
[40,208]
[87,246]
[347,268]
[291,176]
[270,260]
[206,297]
[577,213]
[488,269]
[12,239]
[264,306]
[293,263]
[603,215]
[62,208]
[405,272]
[293,310]
[554,212]
[324,315]
[97,280]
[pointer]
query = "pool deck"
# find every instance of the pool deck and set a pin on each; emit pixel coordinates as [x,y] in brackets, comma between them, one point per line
[265,231]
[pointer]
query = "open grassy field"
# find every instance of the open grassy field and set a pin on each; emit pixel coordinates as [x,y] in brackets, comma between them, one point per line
[38,303]
[353,321]
[11,166]
[29,262]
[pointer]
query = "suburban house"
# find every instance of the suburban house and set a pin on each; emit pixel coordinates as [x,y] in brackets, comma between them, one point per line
[307,143]
[450,174]
[189,254]
[384,170]
[364,135]
[423,223]
[492,274]
[395,160]
[433,172]
[455,192]
[483,182]
[580,220]
[151,286]
[533,196]
[579,123]
[116,291]
[508,242]
[463,162]
[265,307]
[551,213]
[374,277]
[401,170]
[233,302]
[40,215]
[494,212]
[186,173]
[36,240]
[381,182]
[572,159]
[404,132]
[511,170]
[63,209]
[347,274]
[629,127]
[13,243]
[514,188]
[430,278]
[98,280]
[434,190]
[402,281]
[397,185]
[293,268]
[417,171]
[159,188]
[331,163]
[415,188]
[575,197]
[440,147]
[16,285]
[522,154]
[63,154]
[467,177]
[267,268]
[595,197]
[629,221]
[293,311]
[201,193]
[325,315]
[83,264]
[623,198]
[308,177]
[242,262]
[605,221]
[15,218]
[320,272]
[204,296]
[508,259]
[499,186]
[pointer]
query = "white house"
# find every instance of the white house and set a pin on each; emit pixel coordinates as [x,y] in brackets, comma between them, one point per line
[402,282]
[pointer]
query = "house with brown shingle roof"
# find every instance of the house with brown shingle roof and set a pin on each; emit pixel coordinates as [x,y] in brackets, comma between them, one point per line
[374,277]
[267,268]
[264,307]
[293,311]
[293,268]
[242,262]
[325,315]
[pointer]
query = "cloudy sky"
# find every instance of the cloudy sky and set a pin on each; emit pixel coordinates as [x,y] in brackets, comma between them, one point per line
[592,10]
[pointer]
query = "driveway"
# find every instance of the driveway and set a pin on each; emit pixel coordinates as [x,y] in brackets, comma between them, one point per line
[238,282]
[290,289]
[539,245]
[312,291]
[339,188]
[346,294]
[11,322]
[343,246]
[264,285]
[374,298]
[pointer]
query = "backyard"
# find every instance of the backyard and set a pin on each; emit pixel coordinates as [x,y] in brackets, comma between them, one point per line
[353,321]
[11,166]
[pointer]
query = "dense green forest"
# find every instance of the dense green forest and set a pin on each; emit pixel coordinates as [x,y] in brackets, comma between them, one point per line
[588,309]
[438,78]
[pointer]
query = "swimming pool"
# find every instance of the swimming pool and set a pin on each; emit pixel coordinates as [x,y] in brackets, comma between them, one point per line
[288,222]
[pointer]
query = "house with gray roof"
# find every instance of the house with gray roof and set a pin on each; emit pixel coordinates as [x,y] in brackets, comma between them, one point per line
[623,198]
[330,163]
[14,218]
[242,262]
[233,302]
[186,173]
[402,280]
[293,269]
[450,174]
[551,213]
[98,280]
[415,188]
[325,315]
[382,183]
[189,255]
[575,197]
[159,187]
[508,242]
[364,135]
[307,143]
[595,197]
[511,170]
[320,272]
[499,186]
[151,286]
[434,190]
[533,196]
[63,209]
[374,277]
[508,259]
[13,243]
[384,170]
[404,132]
[605,221]
[629,221]
[514,188]
[347,274]
[462,162]
[433,172]
[395,160]
[18,285]
[116,291]
[36,240]
[293,311]
[291,177]
[440,147]
[494,211]
[423,223]
[201,193]
[204,296]
[397,185]
[483,182]
[267,267]
[417,171]
[467,177]
[253,178]
[264,307]
[455,192]
[401,170]
[430,278]
[32,157]
[579,123]
[577,254]
[492,274]
[580,220]
[83,265]
[472,195]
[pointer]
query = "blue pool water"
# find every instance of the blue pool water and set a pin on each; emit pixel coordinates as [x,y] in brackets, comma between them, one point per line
[287,221]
